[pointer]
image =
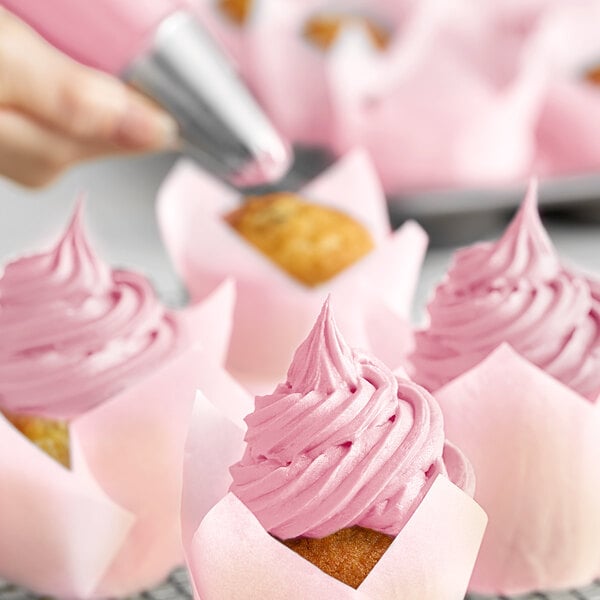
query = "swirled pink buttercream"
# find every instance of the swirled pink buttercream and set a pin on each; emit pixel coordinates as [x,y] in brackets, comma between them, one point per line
[517,291]
[343,442]
[73,332]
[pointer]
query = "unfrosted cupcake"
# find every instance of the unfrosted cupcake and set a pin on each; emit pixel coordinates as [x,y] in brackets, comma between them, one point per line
[323,29]
[340,455]
[568,131]
[286,252]
[518,291]
[237,11]
[311,242]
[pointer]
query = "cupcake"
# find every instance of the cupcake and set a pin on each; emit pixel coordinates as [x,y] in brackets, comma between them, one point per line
[518,291]
[88,363]
[512,350]
[375,71]
[285,251]
[535,447]
[311,243]
[226,21]
[338,457]
[492,91]
[568,130]
[323,29]
[289,49]
[337,463]
[237,11]
[592,75]
[48,435]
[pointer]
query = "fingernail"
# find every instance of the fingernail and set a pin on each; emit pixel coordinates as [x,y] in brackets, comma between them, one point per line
[167,131]
[142,127]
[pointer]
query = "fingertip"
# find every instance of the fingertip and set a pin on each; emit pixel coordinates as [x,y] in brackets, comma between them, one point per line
[144,127]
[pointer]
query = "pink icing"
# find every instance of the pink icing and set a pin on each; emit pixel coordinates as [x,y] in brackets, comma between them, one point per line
[514,290]
[73,332]
[343,442]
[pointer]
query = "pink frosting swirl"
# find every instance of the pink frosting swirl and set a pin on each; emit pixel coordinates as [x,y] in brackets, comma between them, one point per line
[343,442]
[74,333]
[516,291]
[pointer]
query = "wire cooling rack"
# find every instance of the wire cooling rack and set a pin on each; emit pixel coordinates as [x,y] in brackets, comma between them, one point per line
[590,592]
[177,587]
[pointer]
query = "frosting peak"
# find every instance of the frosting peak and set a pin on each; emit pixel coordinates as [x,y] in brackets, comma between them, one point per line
[524,250]
[517,291]
[73,331]
[323,360]
[351,445]
[525,246]
[71,268]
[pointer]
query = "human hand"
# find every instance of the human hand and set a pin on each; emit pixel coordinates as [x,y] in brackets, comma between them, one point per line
[55,112]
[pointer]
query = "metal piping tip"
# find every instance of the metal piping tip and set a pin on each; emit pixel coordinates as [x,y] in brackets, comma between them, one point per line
[267,168]
[222,125]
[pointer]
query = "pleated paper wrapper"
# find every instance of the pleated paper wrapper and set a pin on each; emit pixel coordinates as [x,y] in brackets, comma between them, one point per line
[230,555]
[274,312]
[109,525]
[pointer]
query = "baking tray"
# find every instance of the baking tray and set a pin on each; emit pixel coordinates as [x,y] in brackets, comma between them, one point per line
[461,215]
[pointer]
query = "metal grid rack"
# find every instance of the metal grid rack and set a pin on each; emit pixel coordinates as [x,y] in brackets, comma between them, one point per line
[590,592]
[177,587]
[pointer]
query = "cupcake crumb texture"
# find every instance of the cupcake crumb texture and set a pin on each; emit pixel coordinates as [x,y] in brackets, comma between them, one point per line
[593,75]
[236,11]
[48,435]
[311,243]
[323,30]
[349,554]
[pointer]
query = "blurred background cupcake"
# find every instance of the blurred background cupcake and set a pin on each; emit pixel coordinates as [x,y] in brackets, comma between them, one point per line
[287,251]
